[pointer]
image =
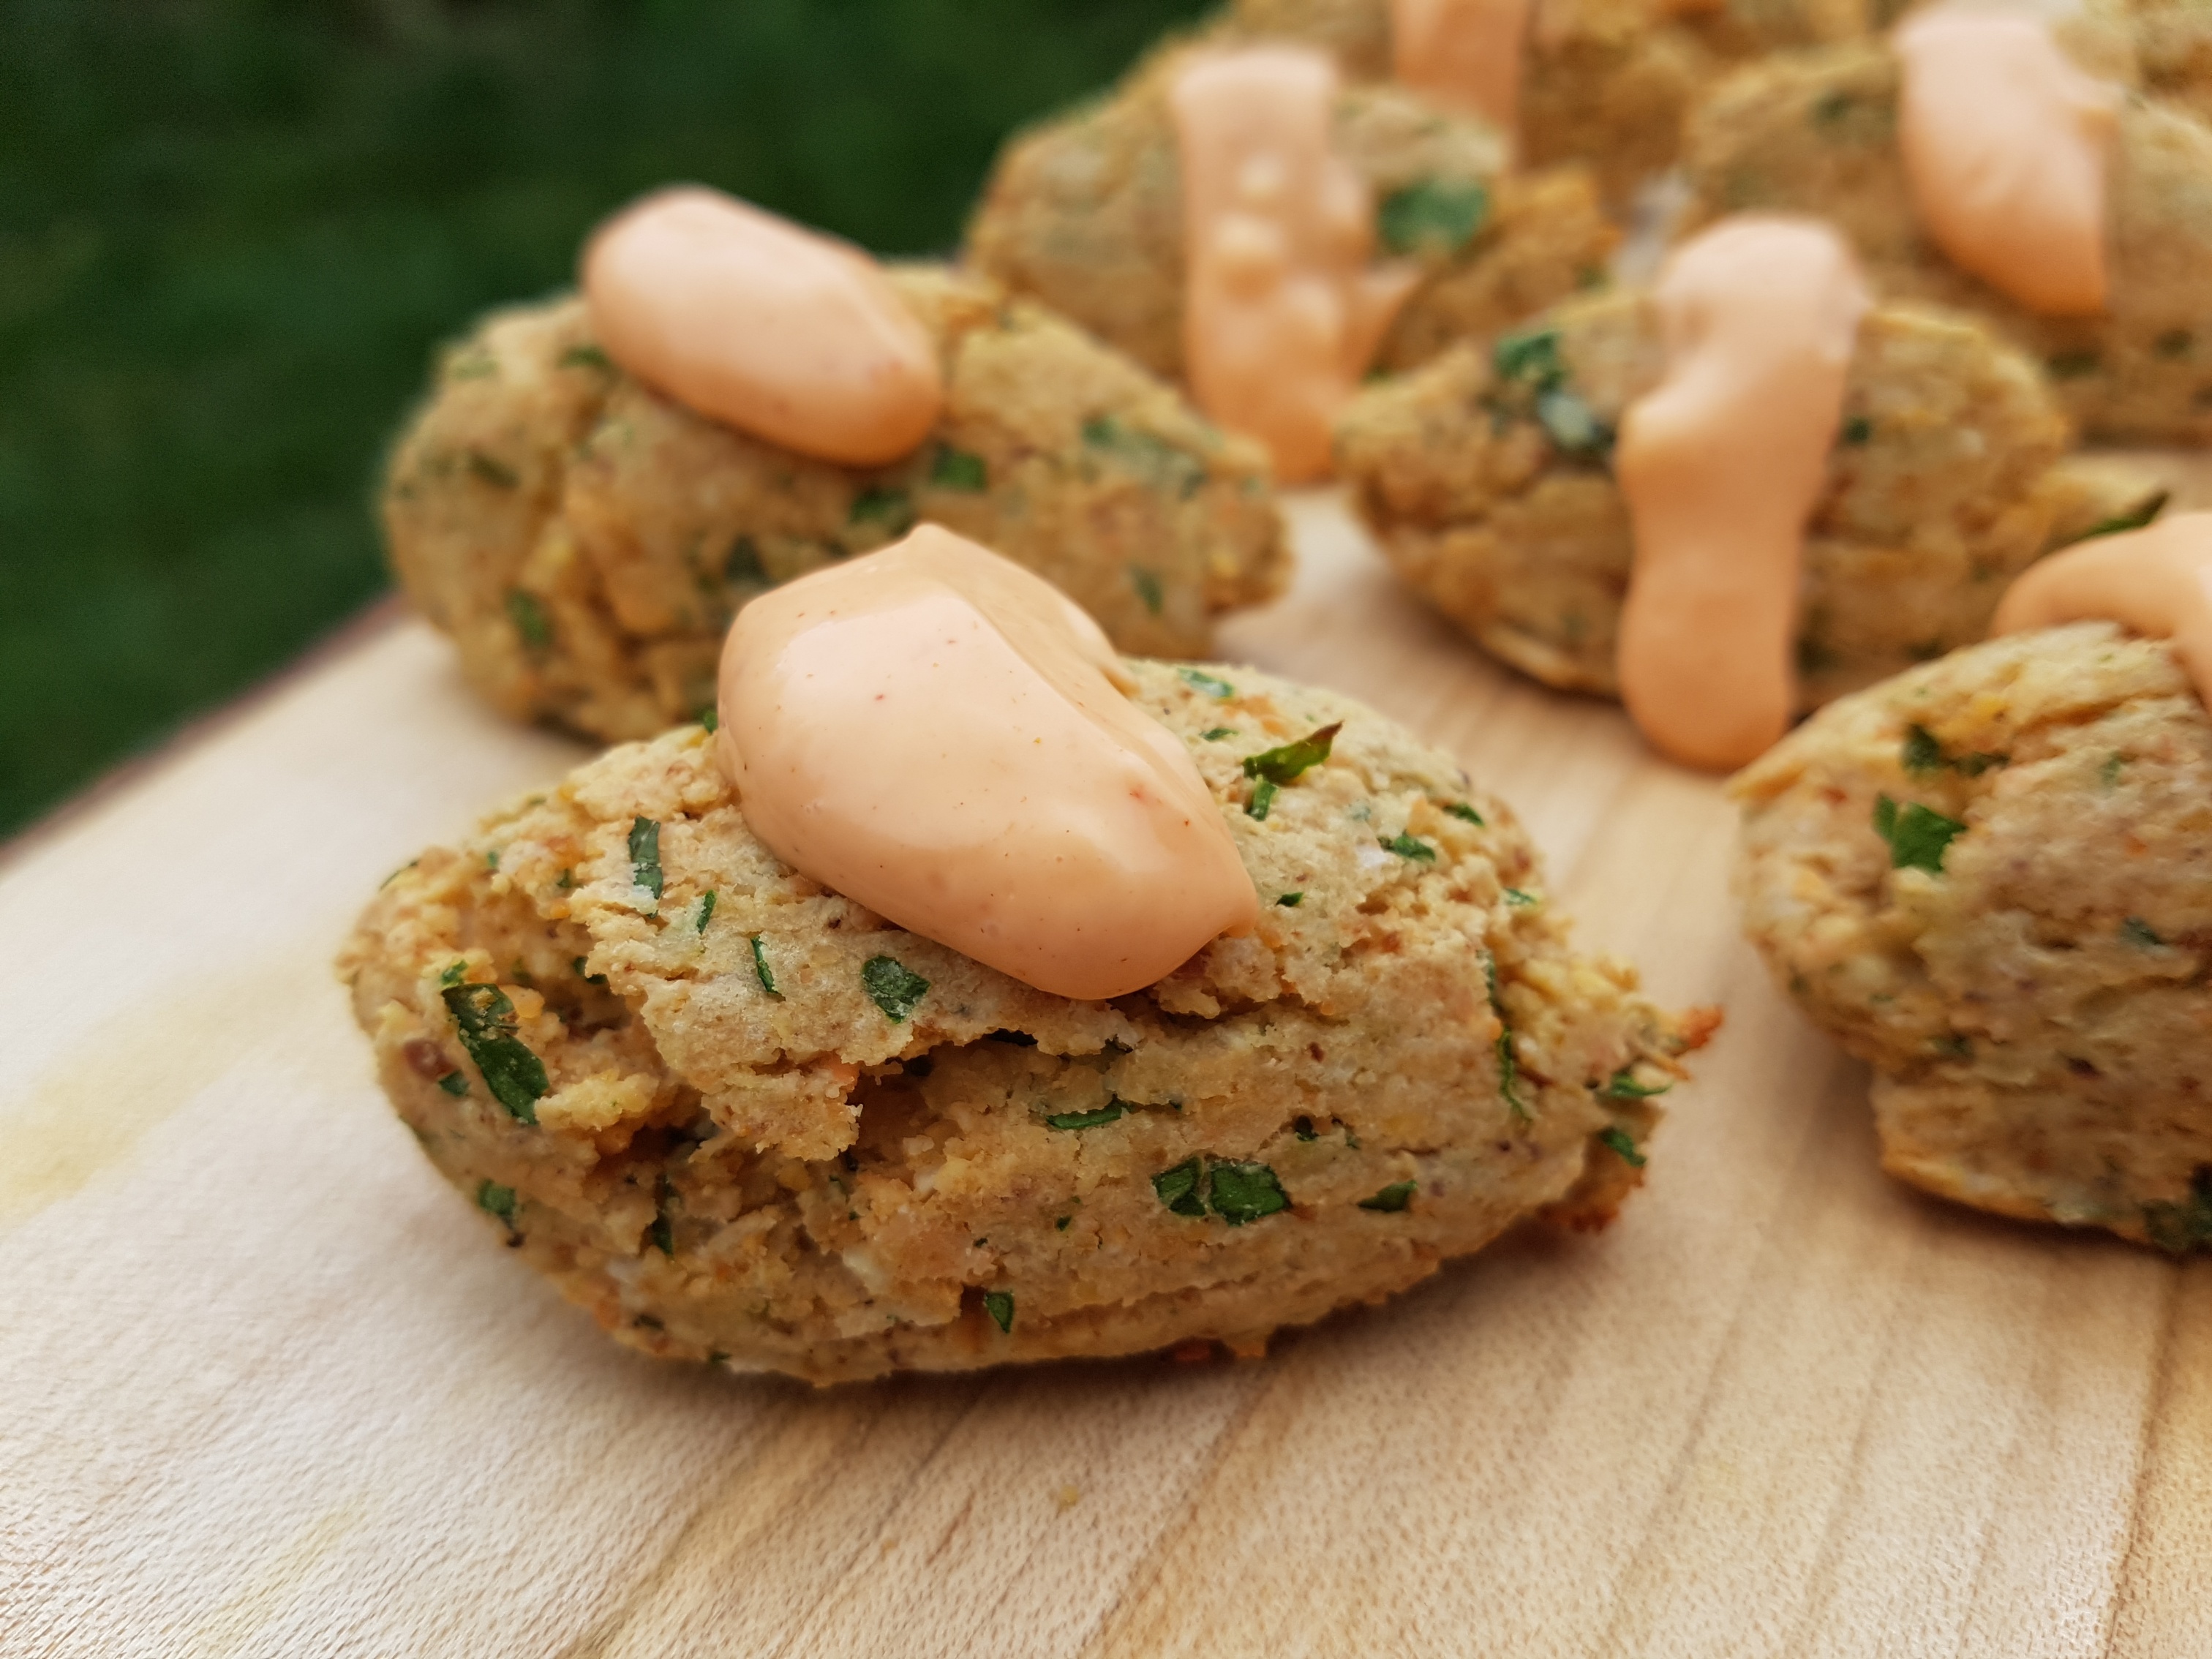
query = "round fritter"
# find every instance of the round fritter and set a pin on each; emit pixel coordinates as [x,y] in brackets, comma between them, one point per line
[1486,478]
[1085,212]
[741,1118]
[1991,879]
[586,541]
[1816,132]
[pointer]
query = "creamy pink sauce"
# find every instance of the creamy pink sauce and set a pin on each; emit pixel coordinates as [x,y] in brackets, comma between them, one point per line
[936,733]
[1722,464]
[1463,54]
[2156,580]
[2005,145]
[749,320]
[1281,314]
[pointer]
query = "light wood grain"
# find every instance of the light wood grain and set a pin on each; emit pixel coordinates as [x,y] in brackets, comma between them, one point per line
[264,1389]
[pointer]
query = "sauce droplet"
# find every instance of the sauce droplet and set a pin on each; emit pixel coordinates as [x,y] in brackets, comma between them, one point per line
[1281,315]
[942,736]
[2156,580]
[749,320]
[1721,463]
[2005,142]
[1464,55]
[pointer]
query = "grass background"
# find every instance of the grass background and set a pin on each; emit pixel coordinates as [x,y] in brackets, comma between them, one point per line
[232,230]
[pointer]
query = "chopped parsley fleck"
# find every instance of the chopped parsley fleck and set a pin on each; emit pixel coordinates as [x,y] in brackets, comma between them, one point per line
[1531,355]
[1392,1198]
[1244,1192]
[1291,900]
[1953,1045]
[2072,365]
[1460,809]
[454,972]
[1623,1085]
[1147,584]
[2109,772]
[455,1083]
[1152,458]
[565,880]
[1302,1127]
[706,909]
[1858,430]
[1060,1226]
[1263,797]
[1282,765]
[2140,933]
[1432,216]
[956,469]
[645,855]
[496,1200]
[531,623]
[761,969]
[1916,836]
[662,1233]
[1515,895]
[492,470]
[1211,684]
[1111,1112]
[711,717]
[1509,1062]
[491,858]
[1214,734]
[1178,1187]
[1924,754]
[892,987]
[999,1304]
[2187,1225]
[2121,522]
[884,504]
[1618,1138]
[487,1024]
[586,355]
[1409,847]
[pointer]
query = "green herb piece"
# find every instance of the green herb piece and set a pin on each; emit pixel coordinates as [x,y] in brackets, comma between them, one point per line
[1410,846]
[1432,216]
[662,1234]
[455,971]
[530,620]
[1151,457]
[1282,765]
[2140,933]
[496,1200]
[1111,1112]
[1263,797]
[487,1024]
[2109,772]
[1515,895]
[2125,521]
[956,469]
[491,858]
[1178,1187]
[1291,900]
[892,988]
[565,880]
[2179,1228]
[1215,734]
[1858,430]
[1148,588]
[884,504]
[1212,686]
[1953,1046]
[1302,1127]
[454,1084]
[645,855]
[761,969]
[1532,355]
[587,356]
[1460,809]
[1624,1086]
[2072,365]
[1573,428]
[1922,752]
[1245,1192]
[1392,1198]
[706,909]
[1617,1138]
[1508,1061]
[711,717]
[1916,836]
[1060,1226]
[492,470]
[999,1304]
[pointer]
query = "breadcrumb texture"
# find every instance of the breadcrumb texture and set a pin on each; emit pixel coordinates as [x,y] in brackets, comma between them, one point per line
[586,541]
[1816,132]
[2036,1011]
[742,1154]
[1085,212]
[1487,478]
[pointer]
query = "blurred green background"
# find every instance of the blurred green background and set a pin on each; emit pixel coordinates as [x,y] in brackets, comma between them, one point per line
[232,230]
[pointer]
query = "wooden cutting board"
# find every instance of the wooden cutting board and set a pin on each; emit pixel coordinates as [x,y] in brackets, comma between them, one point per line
[267,1388]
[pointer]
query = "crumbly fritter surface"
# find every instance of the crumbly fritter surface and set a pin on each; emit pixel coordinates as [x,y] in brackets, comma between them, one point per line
[2029,983]
[1085,212]
[1487,479]
[1816,132]
[586,541]
[774,1129]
